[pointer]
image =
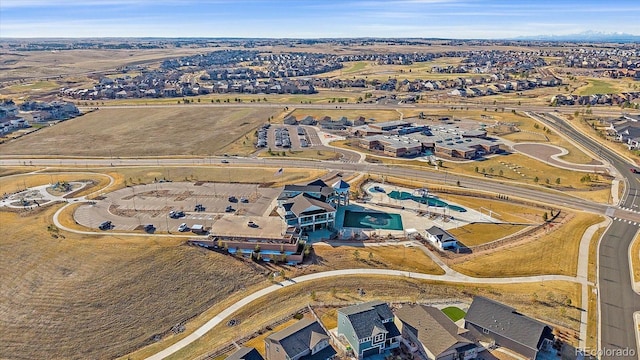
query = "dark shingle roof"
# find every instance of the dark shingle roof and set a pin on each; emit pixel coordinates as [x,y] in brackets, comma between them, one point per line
[303,202]
[245,353]
[434,329]
[303,335]
[440,233]
[505,321]
[366,318]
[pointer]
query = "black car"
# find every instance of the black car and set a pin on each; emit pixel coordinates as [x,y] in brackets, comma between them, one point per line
[149,228]
[233,199]
[229,209]
[106,225]
[199,207]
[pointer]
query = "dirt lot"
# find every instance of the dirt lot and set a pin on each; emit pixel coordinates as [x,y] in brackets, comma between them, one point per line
[85,297]
[158,131]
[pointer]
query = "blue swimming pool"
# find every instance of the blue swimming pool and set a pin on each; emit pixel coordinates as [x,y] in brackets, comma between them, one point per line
[372,220]
[428,200]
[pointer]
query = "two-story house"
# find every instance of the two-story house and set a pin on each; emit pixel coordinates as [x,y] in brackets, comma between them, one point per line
[369,328]
[304,340]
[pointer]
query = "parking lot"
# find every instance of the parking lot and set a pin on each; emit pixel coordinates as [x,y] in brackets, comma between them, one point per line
[133,207]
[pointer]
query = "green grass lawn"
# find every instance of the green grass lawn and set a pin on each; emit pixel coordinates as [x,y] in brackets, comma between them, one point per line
[598,87]
[454,313]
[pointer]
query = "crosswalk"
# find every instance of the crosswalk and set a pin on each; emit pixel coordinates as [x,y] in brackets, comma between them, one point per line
[630,210]
[635,223]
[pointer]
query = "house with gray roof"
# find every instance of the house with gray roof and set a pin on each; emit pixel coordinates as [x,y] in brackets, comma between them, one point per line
[245,353]
[490,321]
[369,328]
[441,238]
[433,334]
[304,340]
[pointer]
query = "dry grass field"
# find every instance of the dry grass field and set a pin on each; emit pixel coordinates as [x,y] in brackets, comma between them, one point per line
[63,295]
[21,182]
[420,70]
[158,131]
[477,234]
[508,211]
[386,257]
[531,299]
[593,254]
[635,258]
[554,253]
[379,115]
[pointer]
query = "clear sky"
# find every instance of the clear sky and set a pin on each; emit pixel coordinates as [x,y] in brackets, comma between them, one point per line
[315,18]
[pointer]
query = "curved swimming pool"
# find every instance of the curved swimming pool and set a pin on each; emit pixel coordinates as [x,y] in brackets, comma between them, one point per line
[429,200]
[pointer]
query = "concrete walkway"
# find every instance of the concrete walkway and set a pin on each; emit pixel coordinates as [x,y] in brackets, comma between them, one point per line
[459,278]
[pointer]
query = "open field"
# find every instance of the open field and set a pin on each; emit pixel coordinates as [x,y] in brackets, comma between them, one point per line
[385,257]
[605,86]
[13,170]
[508,211]
[545,303]
[54,64]
[477,234]
[143,132]
[420,70]
[553,253]
[378,115]
[64,294]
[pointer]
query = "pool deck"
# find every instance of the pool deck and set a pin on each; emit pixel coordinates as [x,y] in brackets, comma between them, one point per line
[410,217]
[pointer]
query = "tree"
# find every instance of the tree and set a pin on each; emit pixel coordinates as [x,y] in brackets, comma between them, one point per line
[557,181]
[545,217]
[476,169]
[370,255]
[501,172]
[356,254]
[439,163]
[536,179]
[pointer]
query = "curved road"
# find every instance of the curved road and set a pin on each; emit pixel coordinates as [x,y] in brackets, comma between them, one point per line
[617,301]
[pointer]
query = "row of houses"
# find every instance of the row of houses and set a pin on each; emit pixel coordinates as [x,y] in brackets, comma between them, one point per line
[625,129]
[596,99]
[502,87]
[373,329]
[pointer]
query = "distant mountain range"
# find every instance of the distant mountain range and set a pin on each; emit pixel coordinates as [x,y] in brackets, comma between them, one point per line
[590,36]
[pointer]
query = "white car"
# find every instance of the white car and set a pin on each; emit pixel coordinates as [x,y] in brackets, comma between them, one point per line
[183,227]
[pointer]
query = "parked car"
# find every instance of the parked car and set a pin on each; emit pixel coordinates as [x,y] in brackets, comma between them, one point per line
[105,225]
[252,224]
[199,207]
[233,199]
[176,214]
[149,228]
[244,200]
[183,227]
[229,209]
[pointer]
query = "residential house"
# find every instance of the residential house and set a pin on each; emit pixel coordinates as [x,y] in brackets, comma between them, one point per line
[369,328]
[441,238]
[245,353]
[491,321]
[431,333]
[304,340]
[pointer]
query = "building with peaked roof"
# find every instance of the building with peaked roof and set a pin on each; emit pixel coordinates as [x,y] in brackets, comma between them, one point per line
[341,189]
[310,207]
[245,353]
[369,328]
[491,321]
[304,340]
[441,238]
[434,335]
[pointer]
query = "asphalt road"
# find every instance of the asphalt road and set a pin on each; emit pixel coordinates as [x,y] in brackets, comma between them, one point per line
[618,301]
[442,176]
